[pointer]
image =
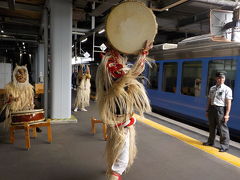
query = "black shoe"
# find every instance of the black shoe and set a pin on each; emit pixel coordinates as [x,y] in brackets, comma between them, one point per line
[223,150]
[38,129]
[207,144]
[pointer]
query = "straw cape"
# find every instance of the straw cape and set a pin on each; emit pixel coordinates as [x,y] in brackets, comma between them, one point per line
[21,93]
[83,90]
[119,95]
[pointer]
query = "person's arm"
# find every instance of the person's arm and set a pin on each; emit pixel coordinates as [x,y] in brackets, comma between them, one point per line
[88,75]
[139,65]
[9,98]
[78,80]
[228,108]
[32,105]
[228,102]
[208,105]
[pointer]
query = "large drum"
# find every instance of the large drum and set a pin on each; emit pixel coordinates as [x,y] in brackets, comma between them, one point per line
[29,116]
[129,25]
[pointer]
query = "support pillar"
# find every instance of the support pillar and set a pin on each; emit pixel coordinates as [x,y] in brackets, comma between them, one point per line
[61,55]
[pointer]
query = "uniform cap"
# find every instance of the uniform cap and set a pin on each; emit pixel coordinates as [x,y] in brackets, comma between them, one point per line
[221,74]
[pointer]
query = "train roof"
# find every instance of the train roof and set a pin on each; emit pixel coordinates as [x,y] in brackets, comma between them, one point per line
[197,49]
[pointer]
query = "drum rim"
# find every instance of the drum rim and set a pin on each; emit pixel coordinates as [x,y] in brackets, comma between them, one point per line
[28,112]
[29,122]
[107,19]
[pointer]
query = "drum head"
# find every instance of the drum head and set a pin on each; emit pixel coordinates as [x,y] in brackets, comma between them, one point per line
[129,25]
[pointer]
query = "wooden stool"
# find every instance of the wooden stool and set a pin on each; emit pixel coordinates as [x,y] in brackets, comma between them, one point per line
[104,127]
[27,126]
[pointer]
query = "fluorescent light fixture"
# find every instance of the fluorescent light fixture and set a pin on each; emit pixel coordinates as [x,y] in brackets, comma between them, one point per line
[80,60]
[102,31]
[84,40]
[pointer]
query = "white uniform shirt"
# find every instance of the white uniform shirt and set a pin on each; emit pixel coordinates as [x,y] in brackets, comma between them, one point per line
[218,94]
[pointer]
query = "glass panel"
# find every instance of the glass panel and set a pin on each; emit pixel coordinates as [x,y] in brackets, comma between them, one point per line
[169,77]
[191,78]
[153,76]
[227,65]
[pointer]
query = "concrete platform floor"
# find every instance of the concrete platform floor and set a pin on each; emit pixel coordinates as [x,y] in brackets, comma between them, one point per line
[76,154]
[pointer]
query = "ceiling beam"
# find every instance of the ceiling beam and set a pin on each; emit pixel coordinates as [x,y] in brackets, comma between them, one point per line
[34,2]
[167,24]
[107,4]
[173,25]
[193,19]
[170,6]
[11,4]
[218,2]
[21,30]
[19,6]
[19,39]
[35,36]
[98,28]
[13,20]
[78,14]
[20,13]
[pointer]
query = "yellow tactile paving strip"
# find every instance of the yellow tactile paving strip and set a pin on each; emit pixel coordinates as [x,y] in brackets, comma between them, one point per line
[198,144]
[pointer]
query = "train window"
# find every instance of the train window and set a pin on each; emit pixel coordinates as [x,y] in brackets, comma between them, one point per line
[153,76]
[191,78]
[169,77]
[228,65]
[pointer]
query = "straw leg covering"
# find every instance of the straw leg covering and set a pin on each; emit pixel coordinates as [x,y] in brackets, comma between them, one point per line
[83,97]
[115,143]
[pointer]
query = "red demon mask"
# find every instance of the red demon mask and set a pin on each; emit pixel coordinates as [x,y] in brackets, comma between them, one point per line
[113,66]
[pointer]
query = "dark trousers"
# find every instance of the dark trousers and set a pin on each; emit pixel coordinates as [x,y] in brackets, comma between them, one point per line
[216,121]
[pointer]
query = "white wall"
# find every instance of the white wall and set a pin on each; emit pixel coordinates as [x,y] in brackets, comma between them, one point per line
[5,74]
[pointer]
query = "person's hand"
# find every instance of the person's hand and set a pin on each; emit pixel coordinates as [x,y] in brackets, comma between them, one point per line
[148,45]
[11,99]
[87,70]
[226,118]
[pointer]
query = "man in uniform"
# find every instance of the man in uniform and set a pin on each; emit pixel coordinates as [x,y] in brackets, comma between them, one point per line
[218,109]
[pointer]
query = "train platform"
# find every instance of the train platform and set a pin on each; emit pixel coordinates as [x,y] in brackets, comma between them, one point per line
[167,150]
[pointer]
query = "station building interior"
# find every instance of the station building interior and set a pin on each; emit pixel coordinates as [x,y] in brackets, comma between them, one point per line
[55,38]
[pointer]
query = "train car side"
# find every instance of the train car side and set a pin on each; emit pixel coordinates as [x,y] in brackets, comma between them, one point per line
[178,95]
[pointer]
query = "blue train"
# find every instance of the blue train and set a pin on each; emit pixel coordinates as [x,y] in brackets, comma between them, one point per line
[180,79]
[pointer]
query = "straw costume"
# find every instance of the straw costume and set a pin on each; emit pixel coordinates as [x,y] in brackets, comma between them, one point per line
[83,89]
[19,93]
[119,94]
